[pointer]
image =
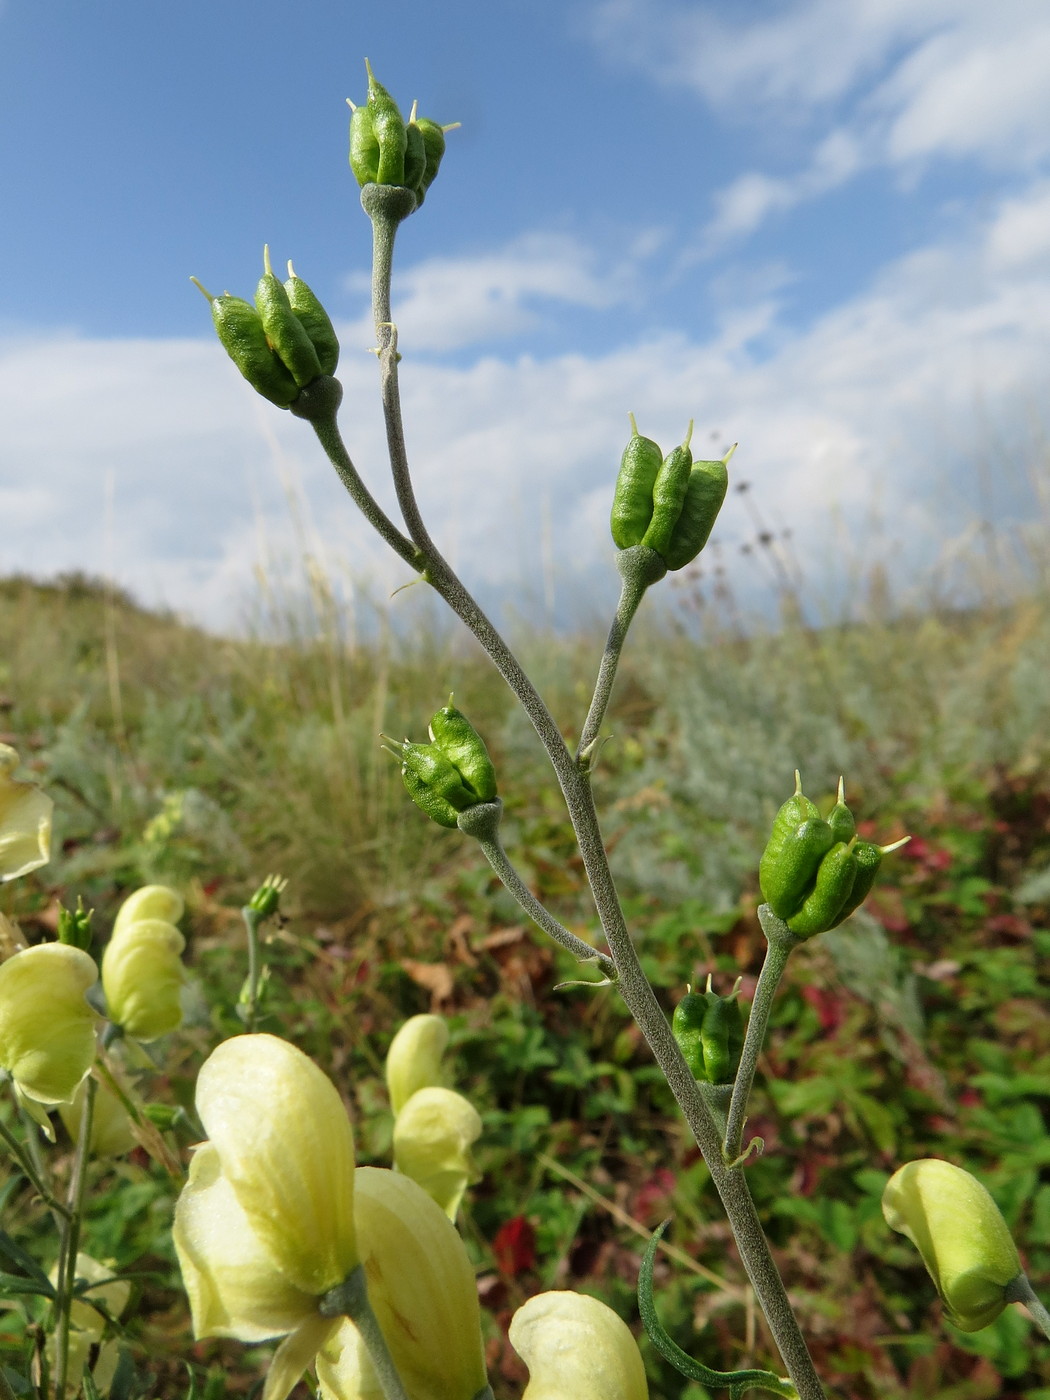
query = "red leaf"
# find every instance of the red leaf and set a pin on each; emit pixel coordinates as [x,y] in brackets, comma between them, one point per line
[515,1246]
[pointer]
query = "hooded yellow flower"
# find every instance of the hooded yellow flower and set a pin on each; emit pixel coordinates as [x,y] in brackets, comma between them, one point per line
[414,1059]
[962,1237]
[265,1225]
[142,977]
[422,1289]
[25,821]
[47,1029]
[149,902]
[433,1135]
[575,1346]
[88,1325]
[111,1134]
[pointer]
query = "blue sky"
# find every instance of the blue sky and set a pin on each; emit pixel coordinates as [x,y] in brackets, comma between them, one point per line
[820,229]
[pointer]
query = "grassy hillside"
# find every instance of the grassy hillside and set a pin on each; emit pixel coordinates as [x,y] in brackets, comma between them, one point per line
[920,1028]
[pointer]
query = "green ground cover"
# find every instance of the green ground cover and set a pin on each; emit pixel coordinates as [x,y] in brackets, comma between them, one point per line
[922,1027]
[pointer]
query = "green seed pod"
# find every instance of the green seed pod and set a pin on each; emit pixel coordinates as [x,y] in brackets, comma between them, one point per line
[389,128]
[415,157]
[822,908]
[434,148]
[709,1030]
[314,320]
[465,749]
[840,818]
[669,488]
[704,493]
[364,148]
[438,809]
[786,883]
[429,764]
[632,507]
[796,810]
[284,330]
[868,857]
[240,328]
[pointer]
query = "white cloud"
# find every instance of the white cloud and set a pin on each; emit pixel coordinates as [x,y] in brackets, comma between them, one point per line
[885,396]
[908,81]
[446,303]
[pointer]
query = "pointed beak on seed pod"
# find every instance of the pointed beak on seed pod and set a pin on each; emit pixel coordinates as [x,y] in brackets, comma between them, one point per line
[47,1029]
[265,1225]
[25,821]
[421,1285]
[814,872]
[575,1345]
[960,1233]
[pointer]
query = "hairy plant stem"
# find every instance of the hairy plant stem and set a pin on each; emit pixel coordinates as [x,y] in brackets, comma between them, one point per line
[574,781]
[482,822]
[1021,1291]
[67,1259]
[639,567]
[350,1299]
[252,919]
[780,943]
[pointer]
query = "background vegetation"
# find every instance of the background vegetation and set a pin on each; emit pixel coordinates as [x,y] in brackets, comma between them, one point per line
[920,1028]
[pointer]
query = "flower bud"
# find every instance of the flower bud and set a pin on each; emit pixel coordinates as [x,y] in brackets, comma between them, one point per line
[709,1030]
[414,1058]
[25,821]
[962,1237]
[421,1286]
[142,977]
[47,1028]
[433,1135]
[575,1345]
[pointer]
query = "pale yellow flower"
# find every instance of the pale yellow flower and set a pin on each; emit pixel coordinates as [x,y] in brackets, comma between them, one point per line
[433,1135]
[575,1346]
[422,1289]
[265,1225]
[962,1237]
[149,902]
[142,977]
[47,1029]
[88,1325]
[25,821]
[111,1134]
[414,1059]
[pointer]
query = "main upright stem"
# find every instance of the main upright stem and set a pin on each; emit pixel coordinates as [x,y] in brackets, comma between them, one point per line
[386,207]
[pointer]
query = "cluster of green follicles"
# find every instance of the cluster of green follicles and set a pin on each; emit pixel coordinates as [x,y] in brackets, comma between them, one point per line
[709,1030]
[668,504]
[814,871]
[387,150]
[282,343]
[450,774]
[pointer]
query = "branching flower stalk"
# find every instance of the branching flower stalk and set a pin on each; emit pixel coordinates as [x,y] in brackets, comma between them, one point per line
[386,207]
[781,942]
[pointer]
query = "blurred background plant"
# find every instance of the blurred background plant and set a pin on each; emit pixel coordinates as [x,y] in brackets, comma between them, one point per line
[202,761]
